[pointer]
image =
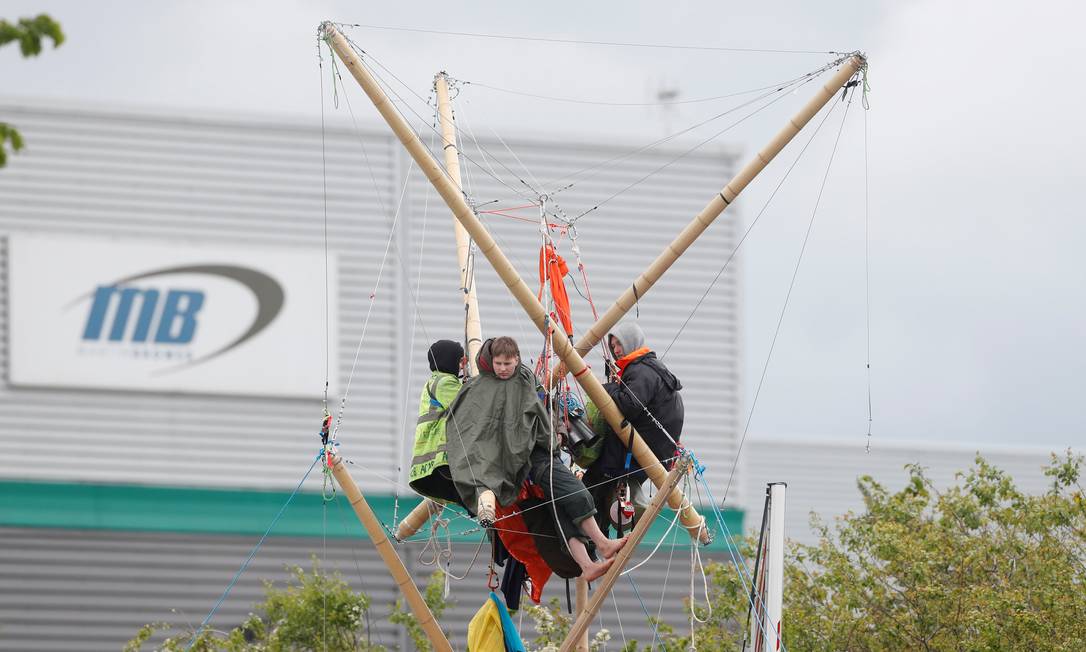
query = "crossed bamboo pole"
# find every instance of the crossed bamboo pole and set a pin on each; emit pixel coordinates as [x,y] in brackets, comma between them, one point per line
[453,197]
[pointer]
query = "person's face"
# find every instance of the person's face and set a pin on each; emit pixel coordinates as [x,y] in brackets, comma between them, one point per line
[505,365]
[616,348]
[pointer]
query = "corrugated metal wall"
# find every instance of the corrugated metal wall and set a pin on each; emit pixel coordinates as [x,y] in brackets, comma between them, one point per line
[92,590]
[241,182]
[135,176]
[821,475]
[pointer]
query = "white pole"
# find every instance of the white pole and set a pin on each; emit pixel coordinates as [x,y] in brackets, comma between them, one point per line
[775,566]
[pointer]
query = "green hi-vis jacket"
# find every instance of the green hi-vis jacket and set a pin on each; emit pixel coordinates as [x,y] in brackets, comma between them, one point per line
[428,455]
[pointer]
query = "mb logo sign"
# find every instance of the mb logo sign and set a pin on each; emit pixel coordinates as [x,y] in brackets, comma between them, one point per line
[149,315]
[173,320]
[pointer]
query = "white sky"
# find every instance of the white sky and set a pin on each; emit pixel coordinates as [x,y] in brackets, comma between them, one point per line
[977,284]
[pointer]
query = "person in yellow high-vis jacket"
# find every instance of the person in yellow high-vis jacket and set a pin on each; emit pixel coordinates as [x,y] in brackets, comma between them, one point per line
[429,473]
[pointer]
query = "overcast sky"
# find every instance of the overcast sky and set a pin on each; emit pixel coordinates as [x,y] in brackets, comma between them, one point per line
[975,142]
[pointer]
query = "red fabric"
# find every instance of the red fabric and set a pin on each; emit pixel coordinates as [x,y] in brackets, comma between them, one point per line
[518,541]
[630,357]
[553,267]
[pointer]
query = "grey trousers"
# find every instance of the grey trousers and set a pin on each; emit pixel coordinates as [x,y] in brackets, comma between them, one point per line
[573,501]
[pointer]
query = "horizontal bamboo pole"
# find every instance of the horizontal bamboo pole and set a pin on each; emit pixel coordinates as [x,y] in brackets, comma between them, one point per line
[453,197]
[417,518]
[585,618]
[395,565]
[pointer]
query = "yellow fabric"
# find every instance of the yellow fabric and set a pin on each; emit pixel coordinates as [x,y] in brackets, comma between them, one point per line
[485,630]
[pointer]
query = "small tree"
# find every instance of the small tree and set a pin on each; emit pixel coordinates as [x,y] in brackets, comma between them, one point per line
[979,567]
[314,611]
[29,33]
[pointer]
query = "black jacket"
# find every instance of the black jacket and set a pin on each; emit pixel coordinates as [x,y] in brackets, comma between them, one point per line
[647,388]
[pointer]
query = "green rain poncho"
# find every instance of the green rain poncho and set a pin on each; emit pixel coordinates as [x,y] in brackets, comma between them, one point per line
[493,425]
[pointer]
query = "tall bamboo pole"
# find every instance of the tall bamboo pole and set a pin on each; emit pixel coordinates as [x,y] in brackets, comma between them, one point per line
[607,582]
[395,565]
[691,520]
[472,324]
[714,208]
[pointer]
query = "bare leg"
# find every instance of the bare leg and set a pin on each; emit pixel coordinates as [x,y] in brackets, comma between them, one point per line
[590,570]
[606,547]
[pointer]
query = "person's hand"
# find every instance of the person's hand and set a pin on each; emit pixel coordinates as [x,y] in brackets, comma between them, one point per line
[610,371]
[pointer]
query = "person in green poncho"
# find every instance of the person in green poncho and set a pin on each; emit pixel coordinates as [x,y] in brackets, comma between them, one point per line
[499,434]
[429,473]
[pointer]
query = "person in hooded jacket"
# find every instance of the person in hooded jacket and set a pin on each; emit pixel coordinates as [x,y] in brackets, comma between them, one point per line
[499,434]
[430,475]
[647,394]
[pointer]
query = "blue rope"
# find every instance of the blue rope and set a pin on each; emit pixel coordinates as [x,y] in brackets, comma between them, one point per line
[252,554]
[648,618]
[741,568]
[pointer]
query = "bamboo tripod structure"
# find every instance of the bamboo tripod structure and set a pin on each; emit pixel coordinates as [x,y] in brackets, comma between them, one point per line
[453,197]
[571,356]
[395,565]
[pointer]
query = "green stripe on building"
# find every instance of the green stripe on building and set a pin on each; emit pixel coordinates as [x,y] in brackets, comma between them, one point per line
[234,511]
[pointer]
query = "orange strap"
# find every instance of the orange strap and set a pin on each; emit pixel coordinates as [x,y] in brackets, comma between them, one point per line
[553,268]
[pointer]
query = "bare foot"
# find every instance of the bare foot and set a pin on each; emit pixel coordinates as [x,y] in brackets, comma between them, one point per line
[595,570]
[609,547]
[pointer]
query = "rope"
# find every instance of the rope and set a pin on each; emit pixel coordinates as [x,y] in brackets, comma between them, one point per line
[796,82]
[671,526]
[741,569]
[691,150]
[787,298]
[583,42]
[571,100]
[867,267]
[252,553]
[746,233]
[393,94]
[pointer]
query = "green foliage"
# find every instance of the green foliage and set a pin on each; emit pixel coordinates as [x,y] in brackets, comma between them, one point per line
[30,32]
[314,611]
[9,134]
[434,596]
[978,567]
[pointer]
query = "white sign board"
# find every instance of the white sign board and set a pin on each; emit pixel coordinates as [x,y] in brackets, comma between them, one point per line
[149,315]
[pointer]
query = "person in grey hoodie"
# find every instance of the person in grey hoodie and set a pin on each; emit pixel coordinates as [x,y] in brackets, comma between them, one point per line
[647,394]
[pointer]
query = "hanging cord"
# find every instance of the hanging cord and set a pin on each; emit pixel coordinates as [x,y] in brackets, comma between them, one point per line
[324,207]
[548,348]
[434,552]
[867,259]
[670,527]
[539,39]
[787,298]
